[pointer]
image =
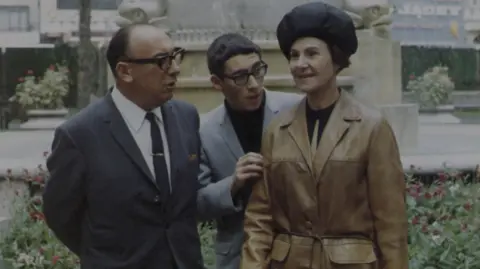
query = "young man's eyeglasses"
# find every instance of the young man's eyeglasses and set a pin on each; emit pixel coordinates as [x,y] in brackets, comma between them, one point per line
[163,60]
[241,78]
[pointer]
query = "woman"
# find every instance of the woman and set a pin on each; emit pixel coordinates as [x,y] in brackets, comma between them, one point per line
[333,190]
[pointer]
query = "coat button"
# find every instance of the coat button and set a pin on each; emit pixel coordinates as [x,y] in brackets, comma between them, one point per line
[156,199]
[308,225]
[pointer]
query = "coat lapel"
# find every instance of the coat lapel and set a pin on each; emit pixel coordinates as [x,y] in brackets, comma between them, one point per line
[120,132]
[297,129]
[337,126]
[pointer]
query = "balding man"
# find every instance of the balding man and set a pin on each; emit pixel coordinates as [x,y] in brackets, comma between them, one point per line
[122,191]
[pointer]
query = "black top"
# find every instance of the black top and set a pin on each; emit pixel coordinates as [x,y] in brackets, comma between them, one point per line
[322,115]
[248,126]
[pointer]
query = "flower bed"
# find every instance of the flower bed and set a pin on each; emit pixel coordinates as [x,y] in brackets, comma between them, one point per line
[443,233]
[444,223]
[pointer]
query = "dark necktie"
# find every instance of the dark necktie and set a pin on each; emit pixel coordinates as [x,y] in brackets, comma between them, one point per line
[159,162]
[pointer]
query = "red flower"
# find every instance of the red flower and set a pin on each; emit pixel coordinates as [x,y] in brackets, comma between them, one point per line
[37,216]
[439,192]
[467,206]
[39,179]
[428,195]
[52,67]
[21,79]
[442,177]
[29,72]
[425,228]
[414,190]
[55,259]
[37,201]
[415,220]
[412,76]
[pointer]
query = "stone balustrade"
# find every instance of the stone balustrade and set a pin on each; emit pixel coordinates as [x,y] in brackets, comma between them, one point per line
[206,36]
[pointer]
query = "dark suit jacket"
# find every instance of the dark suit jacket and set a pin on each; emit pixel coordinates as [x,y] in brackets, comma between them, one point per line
[101,201]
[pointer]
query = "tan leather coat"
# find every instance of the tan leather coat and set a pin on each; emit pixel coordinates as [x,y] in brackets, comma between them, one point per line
[342,206]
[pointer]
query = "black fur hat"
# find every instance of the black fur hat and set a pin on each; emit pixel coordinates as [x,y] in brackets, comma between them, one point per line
[320,20]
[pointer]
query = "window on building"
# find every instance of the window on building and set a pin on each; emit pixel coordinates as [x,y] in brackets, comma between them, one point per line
[14,18]
[96,4]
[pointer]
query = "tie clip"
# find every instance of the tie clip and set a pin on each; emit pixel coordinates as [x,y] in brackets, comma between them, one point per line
[157,154]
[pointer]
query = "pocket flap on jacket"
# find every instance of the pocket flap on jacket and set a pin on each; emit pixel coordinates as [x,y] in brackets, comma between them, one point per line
[349,251]
[280,250]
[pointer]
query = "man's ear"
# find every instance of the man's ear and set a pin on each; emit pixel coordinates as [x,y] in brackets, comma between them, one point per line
[216,82]
[124,72]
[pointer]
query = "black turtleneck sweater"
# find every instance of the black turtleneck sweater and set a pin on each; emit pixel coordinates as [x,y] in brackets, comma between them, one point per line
[248,126]
[322,115]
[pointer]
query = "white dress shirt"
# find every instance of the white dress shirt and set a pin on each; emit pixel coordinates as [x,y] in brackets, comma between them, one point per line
[139,127]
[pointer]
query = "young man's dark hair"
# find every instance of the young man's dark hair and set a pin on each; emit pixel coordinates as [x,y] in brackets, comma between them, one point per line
[225,47]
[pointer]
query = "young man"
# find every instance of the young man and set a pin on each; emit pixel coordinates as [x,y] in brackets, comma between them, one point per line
[231,136]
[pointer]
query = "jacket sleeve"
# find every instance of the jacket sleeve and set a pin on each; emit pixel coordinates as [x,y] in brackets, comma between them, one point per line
[214,198]
[64,194]
[386,185]
[258,219]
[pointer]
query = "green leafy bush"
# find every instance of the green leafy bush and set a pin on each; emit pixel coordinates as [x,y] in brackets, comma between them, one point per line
[433,88]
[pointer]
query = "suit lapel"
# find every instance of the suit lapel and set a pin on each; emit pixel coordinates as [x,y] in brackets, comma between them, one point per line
[269,112]
[229,136]
[228,132]
[121,134]
[174,141]
[337,126]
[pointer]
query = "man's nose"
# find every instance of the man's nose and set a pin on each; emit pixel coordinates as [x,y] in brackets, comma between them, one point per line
[252,82]
[174,68]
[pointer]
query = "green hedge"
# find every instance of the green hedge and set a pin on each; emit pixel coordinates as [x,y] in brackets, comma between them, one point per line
[462,64]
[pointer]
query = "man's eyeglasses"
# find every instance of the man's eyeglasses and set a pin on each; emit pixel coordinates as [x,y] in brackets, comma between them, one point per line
[163,60]
[241,79]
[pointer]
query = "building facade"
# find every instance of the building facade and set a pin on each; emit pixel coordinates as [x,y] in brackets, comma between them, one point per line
[19,22]
[60,19]
[454,23]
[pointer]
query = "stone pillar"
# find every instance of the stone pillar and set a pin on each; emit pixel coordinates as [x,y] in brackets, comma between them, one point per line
[377,70]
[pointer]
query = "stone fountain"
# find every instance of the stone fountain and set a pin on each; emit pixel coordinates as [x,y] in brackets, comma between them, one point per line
[374,76]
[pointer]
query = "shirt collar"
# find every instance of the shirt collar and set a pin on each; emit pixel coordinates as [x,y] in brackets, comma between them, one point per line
[131,113]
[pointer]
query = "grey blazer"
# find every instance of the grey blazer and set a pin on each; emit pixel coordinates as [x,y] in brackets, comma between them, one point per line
[220,152]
